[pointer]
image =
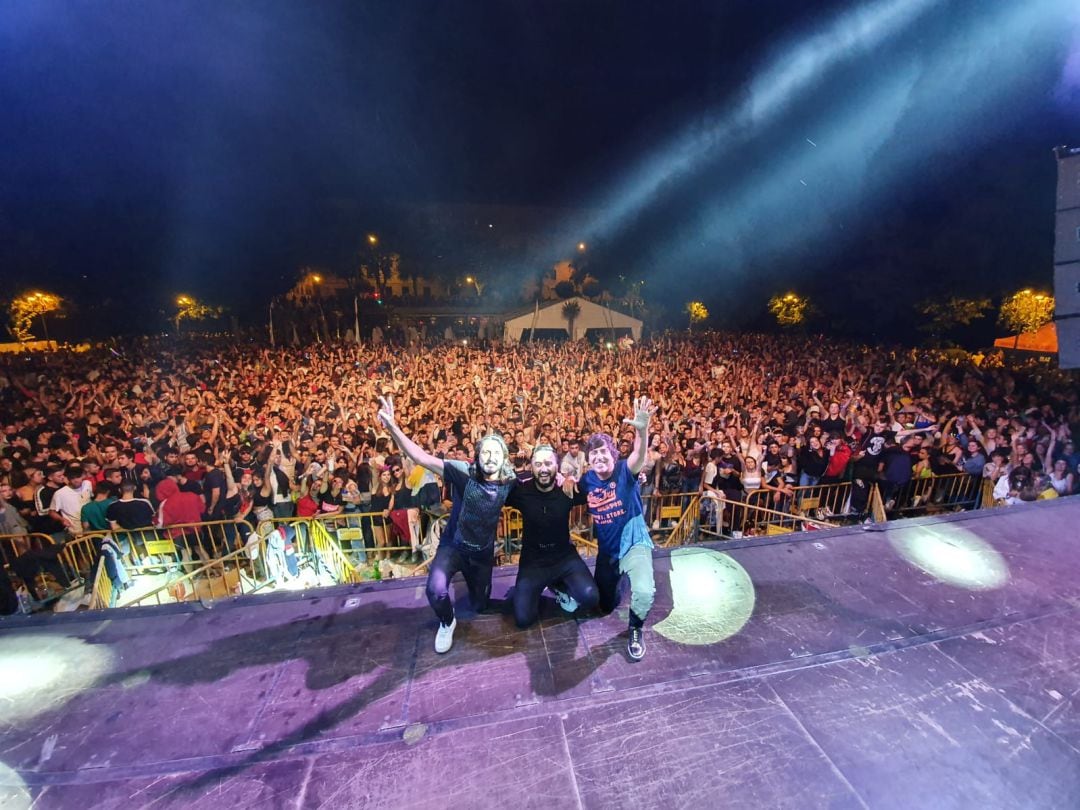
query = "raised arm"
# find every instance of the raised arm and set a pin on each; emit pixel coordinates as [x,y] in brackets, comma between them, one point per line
[267,487]
[643,413]
[226,466]
[407,445]
[1048,459]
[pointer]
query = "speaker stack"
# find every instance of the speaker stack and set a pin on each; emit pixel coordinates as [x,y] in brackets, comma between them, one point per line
[1067,257]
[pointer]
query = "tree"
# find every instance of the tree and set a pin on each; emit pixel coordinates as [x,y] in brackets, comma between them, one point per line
[564,289]
[570,311]
[951,312]
[632,298]
[590,287]
[1026,311]
[789,310]
[697,313]
[188,308]
[26,307]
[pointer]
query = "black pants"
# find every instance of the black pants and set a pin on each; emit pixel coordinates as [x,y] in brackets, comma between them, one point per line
[570,573]
[476,571]
[44,560]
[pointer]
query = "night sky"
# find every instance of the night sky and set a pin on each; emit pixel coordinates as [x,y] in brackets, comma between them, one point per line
[718,150]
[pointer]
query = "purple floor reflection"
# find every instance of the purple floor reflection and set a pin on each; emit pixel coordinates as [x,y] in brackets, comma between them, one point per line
[930,665]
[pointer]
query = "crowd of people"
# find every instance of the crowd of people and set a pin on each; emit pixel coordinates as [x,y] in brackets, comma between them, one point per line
[254,431]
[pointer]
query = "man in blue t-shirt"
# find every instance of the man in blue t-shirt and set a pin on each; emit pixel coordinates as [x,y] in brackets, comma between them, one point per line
[468,539]
[625,548]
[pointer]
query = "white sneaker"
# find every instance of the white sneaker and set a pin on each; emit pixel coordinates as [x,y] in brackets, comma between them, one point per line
[736,535]
[444,637]
[565,601]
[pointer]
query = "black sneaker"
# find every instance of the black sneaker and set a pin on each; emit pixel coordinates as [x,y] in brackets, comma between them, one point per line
[635,647]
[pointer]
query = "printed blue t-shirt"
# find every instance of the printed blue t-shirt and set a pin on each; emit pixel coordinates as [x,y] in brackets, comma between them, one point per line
[615,506]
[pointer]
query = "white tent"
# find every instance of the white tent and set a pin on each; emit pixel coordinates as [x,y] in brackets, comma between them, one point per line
[550,316]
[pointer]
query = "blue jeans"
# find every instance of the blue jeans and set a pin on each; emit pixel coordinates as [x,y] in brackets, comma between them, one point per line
[637,566]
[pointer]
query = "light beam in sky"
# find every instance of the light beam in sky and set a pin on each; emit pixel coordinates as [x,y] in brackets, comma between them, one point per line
[791,73]
[866,141]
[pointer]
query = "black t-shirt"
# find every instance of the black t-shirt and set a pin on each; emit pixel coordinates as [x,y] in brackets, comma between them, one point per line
[41,521]
[214,480]
[188,485]
[545,521]
[836,425]
[733,460]
[134,514]
[731,485]
[363,477]
[403,498]
[897,464]
[812,463]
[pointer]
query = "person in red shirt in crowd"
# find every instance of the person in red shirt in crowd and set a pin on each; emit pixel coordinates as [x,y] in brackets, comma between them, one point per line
[839,456]
[177,509]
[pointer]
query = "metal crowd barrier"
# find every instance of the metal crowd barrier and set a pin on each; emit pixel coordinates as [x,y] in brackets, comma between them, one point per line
[14,545]
[46,549]
[988,500]
[938,493]
[663,510]
[234,574]
[686,529]
[218,559]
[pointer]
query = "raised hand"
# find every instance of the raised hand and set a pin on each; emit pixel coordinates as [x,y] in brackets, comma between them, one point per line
[643,412]
[386,412]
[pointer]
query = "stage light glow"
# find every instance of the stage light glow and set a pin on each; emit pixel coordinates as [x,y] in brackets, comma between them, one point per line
[953,555]
[788,75]
[869,140]
[712,596]
[14,794]
[42,672]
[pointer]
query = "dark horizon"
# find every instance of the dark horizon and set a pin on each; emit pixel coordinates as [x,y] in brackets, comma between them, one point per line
[847,151]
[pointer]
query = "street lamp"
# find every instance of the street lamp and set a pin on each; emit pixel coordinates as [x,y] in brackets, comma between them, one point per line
[183,303]
[475,283]
[581,247]
[372,239]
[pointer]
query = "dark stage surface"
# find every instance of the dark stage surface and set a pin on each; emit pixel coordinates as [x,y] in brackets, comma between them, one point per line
[935,664]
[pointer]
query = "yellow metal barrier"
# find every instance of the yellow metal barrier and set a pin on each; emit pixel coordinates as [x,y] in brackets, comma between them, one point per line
[751,520]
[216,579]
[328,553]
[685,530]
[663,509]
[14,545]
[355,528]
[987,499]
[211,560]
[102,594]
[939,493]
[81,553]
[877,506]
[824,500]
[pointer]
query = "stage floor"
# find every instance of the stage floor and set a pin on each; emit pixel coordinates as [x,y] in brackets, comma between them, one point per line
[934,664]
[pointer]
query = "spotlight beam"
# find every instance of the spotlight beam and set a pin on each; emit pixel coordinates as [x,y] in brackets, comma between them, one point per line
[849,35]
[869,143]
